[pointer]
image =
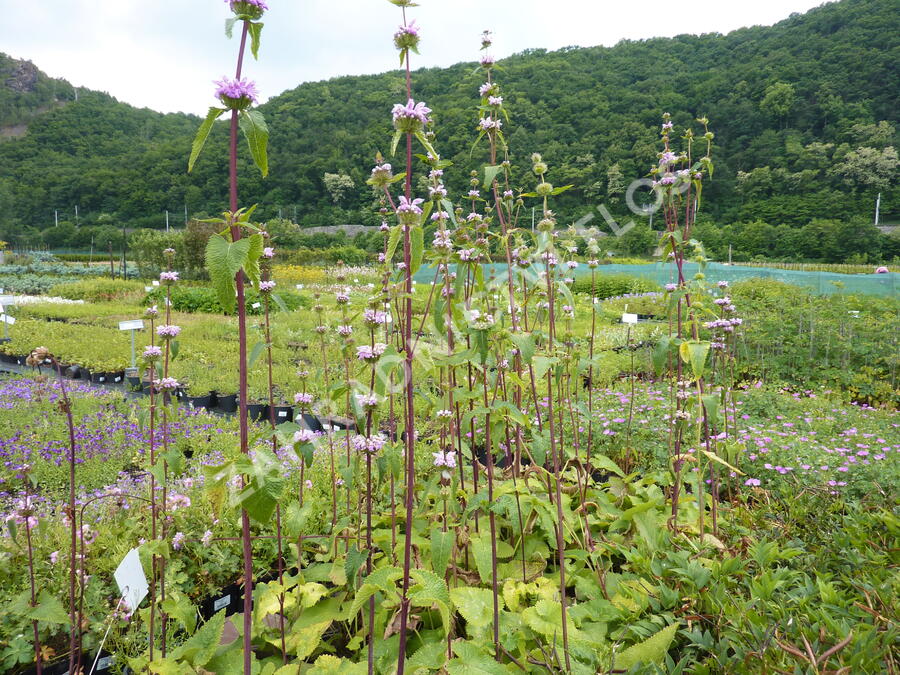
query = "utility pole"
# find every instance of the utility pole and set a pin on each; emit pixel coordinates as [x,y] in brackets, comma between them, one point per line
[877,209]
[124,251]
[76,215]
[55,217]
[167,221]
[185,214]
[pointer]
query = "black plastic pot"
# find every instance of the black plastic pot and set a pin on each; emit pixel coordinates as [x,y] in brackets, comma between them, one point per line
[227,403]
[311,422]
[256,412]
[7,358]
[73,372]
[205,402]
[133,384]
[86,375]
[101,378]
[284,413]
[230,598]
[117,377]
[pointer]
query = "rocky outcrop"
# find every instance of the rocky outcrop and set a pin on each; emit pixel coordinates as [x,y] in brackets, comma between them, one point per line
[23,77]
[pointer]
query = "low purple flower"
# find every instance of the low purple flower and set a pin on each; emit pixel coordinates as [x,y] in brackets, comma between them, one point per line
[168,332]
[151,353]
[168,278]
[303,398]
[166,384]
[268,252]
[178,540]
[266,286]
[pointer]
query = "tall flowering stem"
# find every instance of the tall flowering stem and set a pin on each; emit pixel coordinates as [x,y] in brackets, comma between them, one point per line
[238,96]
[409,440]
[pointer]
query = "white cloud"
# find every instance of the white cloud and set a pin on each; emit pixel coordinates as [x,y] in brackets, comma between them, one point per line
[165,54]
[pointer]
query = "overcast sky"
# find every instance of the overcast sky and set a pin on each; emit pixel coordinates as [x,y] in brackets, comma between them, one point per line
[164,54]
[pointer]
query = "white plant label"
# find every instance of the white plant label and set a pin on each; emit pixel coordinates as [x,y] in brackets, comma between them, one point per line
[256,305]
[221,602]
[148,289]
[299,287]
[132,581]
[629,318]
[155,282]
[7,319]
[136,324]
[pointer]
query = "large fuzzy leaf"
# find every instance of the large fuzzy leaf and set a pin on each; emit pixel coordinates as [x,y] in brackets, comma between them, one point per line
[475,604]
[253,124]
[651,650]
[223,261]
[203,134]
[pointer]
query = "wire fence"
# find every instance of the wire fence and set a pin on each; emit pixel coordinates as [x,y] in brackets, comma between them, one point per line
[820,283]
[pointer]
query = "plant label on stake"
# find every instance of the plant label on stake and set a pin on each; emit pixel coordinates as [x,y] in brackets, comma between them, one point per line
[132,581]
[629,318]
[134,325]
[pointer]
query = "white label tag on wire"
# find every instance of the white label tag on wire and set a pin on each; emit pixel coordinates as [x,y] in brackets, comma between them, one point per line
[132,581]
[629,318]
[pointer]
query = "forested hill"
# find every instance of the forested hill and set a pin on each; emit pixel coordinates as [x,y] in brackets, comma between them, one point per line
[804,112]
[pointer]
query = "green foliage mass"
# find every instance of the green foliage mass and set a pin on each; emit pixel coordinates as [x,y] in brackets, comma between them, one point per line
[803,111]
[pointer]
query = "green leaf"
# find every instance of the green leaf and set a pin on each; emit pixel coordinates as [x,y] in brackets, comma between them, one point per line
[651,650]
[416,248]
[420,136]
[396,141]
[604,462]
[393,241]
[254,253]
[660,355]
[475,604]
[229,26]
[178,606]
[384,580]
[525,344]
[355,559]
[255,353]
[541,366]
[711,404]
[481,551]
[332,665]
[254,29]
[223,261]
[253,124]
[695,352]
[202,645]
[49,610]
[429,590]
[470,660]
[203,134]
[441,548]
[714,457]
[279,302]
[490,174]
